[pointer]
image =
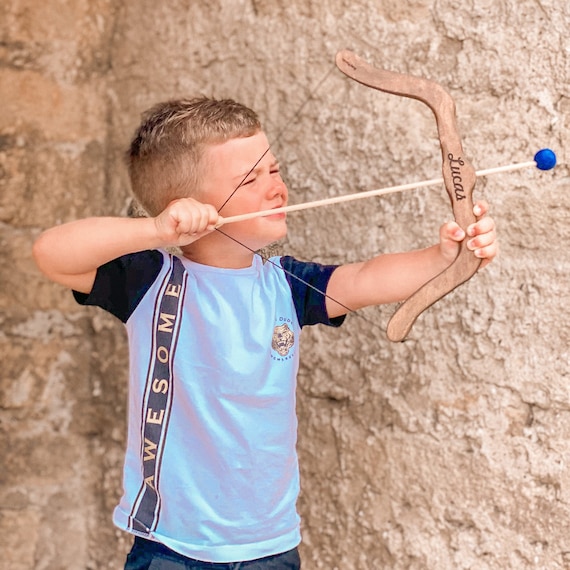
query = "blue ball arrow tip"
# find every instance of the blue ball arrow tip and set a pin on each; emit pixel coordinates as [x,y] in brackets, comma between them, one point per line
[545,159]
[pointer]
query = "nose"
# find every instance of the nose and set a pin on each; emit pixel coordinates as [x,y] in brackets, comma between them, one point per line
[278,188]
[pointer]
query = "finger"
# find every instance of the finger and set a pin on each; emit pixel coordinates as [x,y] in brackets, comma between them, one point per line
[184,219]
[214,218]
[482,241]
[484,225]
[201,217]
[480,208]
[206,219]
[195,218]
[487,254]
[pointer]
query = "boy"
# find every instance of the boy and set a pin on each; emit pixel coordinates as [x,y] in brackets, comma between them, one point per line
[211,475]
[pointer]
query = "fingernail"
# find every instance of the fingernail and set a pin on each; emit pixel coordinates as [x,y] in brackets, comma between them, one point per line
[477,210]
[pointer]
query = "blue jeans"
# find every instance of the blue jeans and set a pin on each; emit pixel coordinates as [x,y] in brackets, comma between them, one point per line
[150,555]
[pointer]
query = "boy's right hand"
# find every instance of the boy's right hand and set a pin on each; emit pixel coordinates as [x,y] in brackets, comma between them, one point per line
[71,253]
[184,221]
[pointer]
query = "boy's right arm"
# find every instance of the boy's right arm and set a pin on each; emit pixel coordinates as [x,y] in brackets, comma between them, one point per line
[70,254]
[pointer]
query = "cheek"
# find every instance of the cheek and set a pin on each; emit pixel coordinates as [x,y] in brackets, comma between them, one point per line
[217,192]
[230,202]
[239,203]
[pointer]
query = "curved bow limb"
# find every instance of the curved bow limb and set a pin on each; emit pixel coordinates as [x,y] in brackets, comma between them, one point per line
[458,175]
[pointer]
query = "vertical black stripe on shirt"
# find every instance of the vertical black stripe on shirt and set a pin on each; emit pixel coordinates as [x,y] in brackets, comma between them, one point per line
[158,397]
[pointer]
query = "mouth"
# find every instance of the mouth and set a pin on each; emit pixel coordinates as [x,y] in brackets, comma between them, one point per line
[278,215]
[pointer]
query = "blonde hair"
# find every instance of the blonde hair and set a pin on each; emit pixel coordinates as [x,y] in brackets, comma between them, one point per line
[164,158]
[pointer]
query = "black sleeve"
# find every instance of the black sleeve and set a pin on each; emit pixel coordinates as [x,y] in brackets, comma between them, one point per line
[308,282]
[121,284]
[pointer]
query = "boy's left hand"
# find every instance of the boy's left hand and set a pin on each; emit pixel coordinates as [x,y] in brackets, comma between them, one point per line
[481,236]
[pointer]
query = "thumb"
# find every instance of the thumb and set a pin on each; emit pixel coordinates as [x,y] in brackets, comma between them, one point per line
[451,232]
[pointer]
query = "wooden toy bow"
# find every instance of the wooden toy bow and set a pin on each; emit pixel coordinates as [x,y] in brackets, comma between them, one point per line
[458,175]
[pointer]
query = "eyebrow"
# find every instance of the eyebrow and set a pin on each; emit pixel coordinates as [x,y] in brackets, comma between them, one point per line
[247,173]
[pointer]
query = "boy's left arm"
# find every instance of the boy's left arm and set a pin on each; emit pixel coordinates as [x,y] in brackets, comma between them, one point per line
[393,277]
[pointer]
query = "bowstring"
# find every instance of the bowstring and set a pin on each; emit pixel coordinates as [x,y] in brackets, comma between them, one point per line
[282,132]
[278,137]
[286,271]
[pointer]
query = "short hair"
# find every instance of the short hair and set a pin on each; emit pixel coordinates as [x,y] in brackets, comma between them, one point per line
[164,158]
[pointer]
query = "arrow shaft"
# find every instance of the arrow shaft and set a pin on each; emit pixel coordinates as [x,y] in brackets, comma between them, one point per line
[367,194]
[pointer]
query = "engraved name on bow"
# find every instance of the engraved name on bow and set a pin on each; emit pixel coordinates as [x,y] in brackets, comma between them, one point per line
[455,165]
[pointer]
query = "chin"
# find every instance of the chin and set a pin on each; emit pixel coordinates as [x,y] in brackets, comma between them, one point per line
[262,235]
[283,231]
[273,230]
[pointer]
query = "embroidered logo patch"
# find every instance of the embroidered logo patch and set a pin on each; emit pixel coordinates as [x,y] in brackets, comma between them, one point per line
[283,339]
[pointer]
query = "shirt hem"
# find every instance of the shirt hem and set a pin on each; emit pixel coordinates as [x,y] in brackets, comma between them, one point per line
[224,553]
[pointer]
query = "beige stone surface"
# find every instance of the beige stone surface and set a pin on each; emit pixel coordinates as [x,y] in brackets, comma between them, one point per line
[449,451]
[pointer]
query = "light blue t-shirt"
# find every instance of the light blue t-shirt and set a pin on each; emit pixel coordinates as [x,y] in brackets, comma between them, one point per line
[211,467]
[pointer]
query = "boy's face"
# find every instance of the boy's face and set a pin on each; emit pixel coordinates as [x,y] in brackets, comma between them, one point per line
[225,166]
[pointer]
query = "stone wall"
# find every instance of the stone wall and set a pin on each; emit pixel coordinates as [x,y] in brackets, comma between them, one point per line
[449,451]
